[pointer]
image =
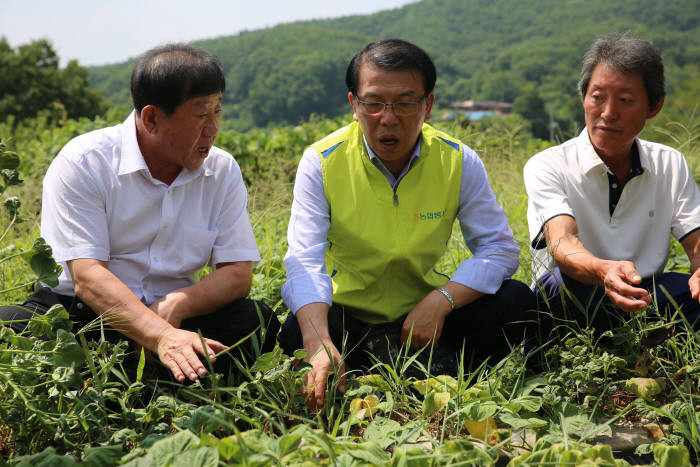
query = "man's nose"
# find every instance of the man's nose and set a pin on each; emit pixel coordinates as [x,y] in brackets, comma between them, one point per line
[388,114]
[609,111]
[211,128]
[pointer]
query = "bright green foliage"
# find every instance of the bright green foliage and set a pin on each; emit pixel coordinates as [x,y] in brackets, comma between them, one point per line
[31,81]
[483,50]
[645,387]
[67,400]
[569,454]
[671,456]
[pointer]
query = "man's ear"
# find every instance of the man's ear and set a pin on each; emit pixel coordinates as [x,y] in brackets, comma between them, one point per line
[653,112]
[352,103]
[429,105]
[149,118]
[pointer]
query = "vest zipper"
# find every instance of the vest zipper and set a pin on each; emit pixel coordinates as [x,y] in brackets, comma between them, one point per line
[396,198]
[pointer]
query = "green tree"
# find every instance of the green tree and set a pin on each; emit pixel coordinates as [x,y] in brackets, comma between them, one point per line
[530,105]
[31,81]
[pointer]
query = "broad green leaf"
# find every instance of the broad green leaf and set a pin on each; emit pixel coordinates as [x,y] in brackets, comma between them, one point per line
[479,391]
[228,447]
[370,452]
[671,456]
[382,431]
[41,247]
[529,403]
[101,456]
[435,401]
[517,422]
[253,441]
[645,387]
[267,361]
[47,324]
[6,333]
[288,443]
[41,261]
[478,411]
[67,376]
[575,454]
[67,351]
[8,160]
[21,342]
[167,449]
[122,436]
[205,456]
[464,452]
[376,381]
[580,425]
[46,458]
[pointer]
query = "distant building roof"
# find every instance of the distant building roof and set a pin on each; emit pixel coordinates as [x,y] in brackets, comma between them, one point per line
[473,106]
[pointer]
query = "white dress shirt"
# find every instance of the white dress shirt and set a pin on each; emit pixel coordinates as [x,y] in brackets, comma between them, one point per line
[100,202]
[483,223]
[571,179]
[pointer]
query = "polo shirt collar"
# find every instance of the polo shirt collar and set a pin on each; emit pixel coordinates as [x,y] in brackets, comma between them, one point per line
[590,159]
[132,159]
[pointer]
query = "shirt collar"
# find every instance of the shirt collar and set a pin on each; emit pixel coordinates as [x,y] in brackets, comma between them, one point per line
[590,159]
[374,158]
[132,160]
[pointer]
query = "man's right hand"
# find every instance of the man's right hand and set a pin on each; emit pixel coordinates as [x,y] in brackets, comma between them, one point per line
[324,359]
[320,353]
[617,277]
[619,280]
[178,349]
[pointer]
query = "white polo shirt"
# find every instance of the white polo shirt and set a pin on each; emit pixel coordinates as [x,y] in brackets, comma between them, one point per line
[570,179]
[100,201]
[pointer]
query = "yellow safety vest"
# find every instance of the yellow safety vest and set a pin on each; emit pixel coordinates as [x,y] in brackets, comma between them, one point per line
[383,245]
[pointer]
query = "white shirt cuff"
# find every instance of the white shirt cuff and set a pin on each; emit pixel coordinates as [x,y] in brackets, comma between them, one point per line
[302,290]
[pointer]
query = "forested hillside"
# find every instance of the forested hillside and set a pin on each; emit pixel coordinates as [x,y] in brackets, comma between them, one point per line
[484,50]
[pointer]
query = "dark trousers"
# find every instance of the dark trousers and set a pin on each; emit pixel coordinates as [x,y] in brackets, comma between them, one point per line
[589,306]
[487,328]
[227,325]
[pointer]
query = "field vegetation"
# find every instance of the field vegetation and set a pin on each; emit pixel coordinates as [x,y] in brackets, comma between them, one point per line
[65,400]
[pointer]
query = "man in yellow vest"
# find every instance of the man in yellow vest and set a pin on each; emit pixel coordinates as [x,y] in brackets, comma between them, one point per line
[374,205]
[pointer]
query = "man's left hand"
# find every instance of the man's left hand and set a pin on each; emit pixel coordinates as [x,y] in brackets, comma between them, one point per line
[427,319]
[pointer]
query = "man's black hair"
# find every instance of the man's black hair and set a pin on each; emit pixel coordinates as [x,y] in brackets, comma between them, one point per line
[168,75]
[392,55]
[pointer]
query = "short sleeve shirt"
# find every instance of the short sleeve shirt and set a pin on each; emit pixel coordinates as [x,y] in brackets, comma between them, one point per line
[100,202]
[570,179]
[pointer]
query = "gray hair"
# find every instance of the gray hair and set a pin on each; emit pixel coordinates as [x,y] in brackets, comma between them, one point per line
[628,55]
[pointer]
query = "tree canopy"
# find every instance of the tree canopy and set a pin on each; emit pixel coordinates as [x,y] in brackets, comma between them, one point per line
[31,81]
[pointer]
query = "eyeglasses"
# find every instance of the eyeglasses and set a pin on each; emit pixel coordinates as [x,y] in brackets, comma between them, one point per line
[402,109]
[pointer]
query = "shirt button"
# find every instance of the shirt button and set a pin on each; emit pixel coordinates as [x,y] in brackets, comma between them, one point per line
[614,185]
[155,259]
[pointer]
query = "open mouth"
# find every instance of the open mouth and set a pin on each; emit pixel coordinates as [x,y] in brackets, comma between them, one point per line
[388,141]
[203,150]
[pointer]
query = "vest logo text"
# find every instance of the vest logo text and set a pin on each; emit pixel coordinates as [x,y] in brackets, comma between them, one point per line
[427,216]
